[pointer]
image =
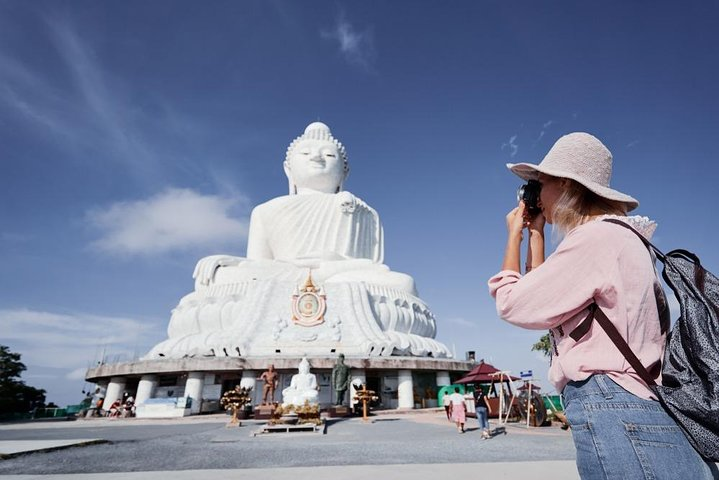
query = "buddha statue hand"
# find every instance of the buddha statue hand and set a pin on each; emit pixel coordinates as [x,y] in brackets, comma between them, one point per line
[347,201]
[205,268]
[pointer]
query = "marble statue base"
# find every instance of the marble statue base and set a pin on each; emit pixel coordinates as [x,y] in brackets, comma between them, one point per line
[255,319]
[196,376]
[264,412]
[303,428]
[336,411]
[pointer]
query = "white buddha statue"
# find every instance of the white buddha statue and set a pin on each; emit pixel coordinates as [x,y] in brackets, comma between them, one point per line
[303,387]
[240,306]
[316,226]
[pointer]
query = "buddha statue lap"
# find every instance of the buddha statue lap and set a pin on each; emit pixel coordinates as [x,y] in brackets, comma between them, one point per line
[240,305]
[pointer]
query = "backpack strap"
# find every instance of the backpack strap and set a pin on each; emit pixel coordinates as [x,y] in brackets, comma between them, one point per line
[646,242]
[583,327]
[699,278]
[622,345]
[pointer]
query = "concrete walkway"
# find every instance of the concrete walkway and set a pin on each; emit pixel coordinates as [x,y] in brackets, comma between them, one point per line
[11,448]
[549,470]
[401,445]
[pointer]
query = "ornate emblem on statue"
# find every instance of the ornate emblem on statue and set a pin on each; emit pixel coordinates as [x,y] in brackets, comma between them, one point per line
[309,305]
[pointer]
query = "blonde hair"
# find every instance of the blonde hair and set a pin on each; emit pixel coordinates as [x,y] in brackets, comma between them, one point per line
[577,204]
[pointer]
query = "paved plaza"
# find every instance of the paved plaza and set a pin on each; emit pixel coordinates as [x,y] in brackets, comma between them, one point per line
[417,444]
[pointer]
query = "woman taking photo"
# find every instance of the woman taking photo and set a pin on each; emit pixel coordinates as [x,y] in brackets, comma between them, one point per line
[619,428]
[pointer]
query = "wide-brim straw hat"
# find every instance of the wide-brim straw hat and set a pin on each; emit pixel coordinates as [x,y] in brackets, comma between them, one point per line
[583,158]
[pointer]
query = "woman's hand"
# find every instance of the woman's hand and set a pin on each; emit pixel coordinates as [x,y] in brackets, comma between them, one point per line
[516,222]
[515,225]
[536,223]
[535,248]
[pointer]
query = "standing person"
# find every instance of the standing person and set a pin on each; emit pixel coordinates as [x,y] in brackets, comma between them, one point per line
[458,409]
[98,407]
[269,377]
[340,379]
[446,403]
[619,428]
[129,410]
[482,409]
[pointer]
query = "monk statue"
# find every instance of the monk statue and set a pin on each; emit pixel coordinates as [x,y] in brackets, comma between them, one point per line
[340,379]
[303,387]
[269,379]
[241,307]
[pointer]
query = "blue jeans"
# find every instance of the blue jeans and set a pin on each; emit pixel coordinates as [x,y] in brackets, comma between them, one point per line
[621,436]
[482,418]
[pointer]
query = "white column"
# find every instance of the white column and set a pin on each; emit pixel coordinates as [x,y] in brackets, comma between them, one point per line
[443,379]
[249,379]
[405,389]
[358,374]
[193,389]
[115,389]
[145,388]
[103,388]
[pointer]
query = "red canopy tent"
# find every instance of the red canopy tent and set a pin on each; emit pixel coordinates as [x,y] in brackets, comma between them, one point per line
[535,387]
[488,373]
[482,373]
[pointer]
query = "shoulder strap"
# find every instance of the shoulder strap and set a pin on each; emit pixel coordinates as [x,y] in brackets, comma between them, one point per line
[664,258]
[621,344]
[584,326]
[646,242]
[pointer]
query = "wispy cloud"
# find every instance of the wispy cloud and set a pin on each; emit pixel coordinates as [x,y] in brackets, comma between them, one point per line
[89,112]
[633,143]
[545,126]
[462,322]
[33,99]
[357,47]
[70,340]
[511,145]
[99,101]
[174,219]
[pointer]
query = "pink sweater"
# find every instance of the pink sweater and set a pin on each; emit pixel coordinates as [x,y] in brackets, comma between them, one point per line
[601,262]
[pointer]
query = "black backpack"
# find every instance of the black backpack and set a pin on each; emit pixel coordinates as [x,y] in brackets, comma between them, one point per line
[690,370]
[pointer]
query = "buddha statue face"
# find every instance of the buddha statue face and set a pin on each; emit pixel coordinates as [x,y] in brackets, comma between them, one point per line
[304,367]
[316,162]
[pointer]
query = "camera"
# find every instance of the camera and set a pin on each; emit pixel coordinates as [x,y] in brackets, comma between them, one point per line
[529,194]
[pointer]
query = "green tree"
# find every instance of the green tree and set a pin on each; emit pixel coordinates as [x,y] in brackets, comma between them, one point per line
[15,396]
[544,345]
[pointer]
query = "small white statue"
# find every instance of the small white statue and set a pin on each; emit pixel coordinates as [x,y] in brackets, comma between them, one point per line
[303,387]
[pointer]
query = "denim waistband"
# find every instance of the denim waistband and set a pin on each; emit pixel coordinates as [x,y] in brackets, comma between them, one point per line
[598,384]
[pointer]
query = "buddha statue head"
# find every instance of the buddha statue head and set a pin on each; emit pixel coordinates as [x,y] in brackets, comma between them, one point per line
[304,366]
[316,161]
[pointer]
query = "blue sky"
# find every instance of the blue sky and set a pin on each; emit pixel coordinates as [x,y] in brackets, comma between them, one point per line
[137,136]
